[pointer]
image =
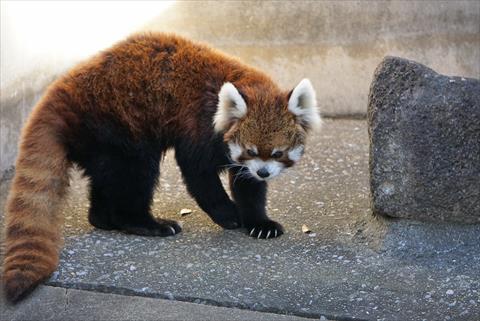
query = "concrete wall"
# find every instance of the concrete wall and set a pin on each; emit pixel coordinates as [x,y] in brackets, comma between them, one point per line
[337,44]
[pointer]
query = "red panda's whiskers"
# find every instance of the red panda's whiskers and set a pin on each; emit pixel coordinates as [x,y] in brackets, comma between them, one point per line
[229,166]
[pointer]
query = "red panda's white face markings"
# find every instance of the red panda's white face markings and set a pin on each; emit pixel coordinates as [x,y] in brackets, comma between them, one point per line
[263,168]
[248,156]
[296,153]
[266,132]
[235,151]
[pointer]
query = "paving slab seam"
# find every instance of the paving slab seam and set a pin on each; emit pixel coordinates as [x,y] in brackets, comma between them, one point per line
[130,292]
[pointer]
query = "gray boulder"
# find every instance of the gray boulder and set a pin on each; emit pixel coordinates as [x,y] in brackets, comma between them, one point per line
[424,131]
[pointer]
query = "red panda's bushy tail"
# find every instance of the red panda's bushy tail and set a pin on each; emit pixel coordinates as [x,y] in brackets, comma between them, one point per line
[32,220]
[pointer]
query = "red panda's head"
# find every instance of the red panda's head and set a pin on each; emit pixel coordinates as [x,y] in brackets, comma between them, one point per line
[265,129]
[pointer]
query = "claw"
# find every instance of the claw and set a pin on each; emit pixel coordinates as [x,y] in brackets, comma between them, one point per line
[251,232]
[173,230]
[259,234]
[268,234]
[275,232]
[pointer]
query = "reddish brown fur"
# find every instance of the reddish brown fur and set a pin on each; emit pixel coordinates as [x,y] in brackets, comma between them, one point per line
[152,86]
[174,70]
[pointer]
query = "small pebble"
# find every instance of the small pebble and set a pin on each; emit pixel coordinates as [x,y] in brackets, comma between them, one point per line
[305,229]
[185,211]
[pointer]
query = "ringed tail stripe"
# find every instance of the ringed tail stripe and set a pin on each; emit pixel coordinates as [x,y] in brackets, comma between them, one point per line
[24,260]
[32,222]
[25,246]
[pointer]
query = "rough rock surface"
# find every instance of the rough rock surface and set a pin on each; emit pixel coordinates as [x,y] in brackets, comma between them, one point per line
[424,143]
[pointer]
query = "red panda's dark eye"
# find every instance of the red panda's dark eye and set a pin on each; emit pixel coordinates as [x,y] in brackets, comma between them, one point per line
[251,153]
[277,154]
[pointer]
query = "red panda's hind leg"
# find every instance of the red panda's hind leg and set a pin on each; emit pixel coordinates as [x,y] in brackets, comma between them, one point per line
[121,193]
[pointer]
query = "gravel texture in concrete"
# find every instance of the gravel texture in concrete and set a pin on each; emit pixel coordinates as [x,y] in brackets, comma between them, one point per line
[351,266]
[425,143]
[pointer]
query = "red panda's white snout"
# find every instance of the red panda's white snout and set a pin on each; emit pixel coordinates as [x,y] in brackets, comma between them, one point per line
[269,168]
[264,170]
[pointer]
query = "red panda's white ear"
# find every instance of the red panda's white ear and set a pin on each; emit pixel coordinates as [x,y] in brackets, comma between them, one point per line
[231,107]
[302,103]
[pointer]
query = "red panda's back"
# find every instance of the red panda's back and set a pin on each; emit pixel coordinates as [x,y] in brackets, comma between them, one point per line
[156,81]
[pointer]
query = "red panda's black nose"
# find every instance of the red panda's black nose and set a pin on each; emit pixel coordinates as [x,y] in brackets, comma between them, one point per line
[263,172]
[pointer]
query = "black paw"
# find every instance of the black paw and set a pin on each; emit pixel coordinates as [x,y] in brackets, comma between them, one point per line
[158,227]
[265,229]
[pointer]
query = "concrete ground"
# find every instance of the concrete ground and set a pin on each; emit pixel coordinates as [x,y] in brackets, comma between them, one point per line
[351,267]
[55,303]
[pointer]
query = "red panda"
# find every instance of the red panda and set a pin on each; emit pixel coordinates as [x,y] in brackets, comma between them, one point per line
[116,114]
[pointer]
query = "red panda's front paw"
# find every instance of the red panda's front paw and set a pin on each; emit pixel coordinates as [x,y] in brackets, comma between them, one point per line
[265,230]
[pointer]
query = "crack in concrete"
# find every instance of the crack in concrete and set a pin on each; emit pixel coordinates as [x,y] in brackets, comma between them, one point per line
[190,299]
